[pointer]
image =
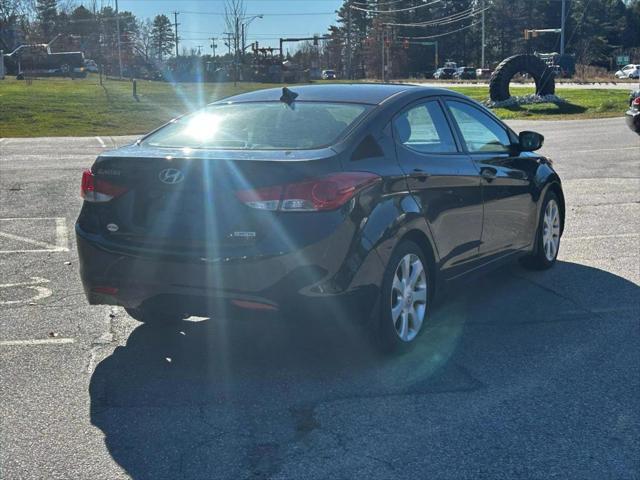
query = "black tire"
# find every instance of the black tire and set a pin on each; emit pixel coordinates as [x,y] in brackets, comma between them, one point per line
[387,337]
[538,259]
[156,313]
[509,67]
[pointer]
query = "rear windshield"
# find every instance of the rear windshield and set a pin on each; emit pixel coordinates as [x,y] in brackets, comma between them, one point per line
[260,126]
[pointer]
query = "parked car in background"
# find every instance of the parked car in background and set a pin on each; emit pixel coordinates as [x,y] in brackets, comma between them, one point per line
[483,73]
[366,200]
[90,66]
[633,114]
[630,71]
[465,73]
[444,73]
[329,75]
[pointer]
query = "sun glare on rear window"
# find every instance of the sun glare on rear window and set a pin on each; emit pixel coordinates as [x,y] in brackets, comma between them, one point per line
[260,126]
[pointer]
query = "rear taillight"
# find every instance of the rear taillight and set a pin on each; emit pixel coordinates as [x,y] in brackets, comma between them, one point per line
[636,102]
[97,190]
[315,194]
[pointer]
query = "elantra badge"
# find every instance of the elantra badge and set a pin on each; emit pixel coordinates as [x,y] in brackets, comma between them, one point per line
[171,176]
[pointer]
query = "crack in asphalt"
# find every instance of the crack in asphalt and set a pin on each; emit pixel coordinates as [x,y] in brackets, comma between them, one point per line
[547,289]
[107,339]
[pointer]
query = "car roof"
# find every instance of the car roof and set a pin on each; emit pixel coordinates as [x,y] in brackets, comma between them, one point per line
[369,93]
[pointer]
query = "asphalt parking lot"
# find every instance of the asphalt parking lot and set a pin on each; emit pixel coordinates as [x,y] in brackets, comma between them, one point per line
[521,375]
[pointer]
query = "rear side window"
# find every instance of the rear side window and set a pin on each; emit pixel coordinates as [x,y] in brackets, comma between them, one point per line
[260,126]
[480,133]
[424,128]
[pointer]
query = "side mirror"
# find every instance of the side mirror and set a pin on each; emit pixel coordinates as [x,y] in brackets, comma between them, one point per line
[530,141]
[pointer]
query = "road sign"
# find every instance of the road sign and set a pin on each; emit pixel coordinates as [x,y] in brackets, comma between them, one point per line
[622,59]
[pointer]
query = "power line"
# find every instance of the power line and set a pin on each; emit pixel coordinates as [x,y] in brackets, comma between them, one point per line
[399,10]
[392,2]
[442,34]
[444,20]
[287,14]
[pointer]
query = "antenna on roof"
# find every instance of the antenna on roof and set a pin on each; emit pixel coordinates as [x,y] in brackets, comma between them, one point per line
[288,96]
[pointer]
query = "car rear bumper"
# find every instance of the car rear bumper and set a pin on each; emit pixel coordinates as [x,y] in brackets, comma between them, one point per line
[335,273]
[633,120]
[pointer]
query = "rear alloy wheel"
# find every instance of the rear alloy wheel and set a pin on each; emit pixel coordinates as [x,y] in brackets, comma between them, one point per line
[405,298]
[548,237]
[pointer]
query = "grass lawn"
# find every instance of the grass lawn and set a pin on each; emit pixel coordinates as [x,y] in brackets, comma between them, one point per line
[64,107]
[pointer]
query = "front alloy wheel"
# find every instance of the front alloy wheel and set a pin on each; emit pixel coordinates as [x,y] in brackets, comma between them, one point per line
[548,235]
[551,230]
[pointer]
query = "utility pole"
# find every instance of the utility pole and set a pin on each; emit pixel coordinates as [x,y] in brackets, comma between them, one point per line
[213,45]
[349,39]
[483,37]
[243,39]
[228,42]
[175,27]
[562,21]
[118,33]
[382,58]
[237,48]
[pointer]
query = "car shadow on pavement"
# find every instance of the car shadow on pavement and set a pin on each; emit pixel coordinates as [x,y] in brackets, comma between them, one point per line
[239,397]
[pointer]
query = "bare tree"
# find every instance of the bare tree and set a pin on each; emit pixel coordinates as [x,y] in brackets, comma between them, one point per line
[234,14]
[144,39]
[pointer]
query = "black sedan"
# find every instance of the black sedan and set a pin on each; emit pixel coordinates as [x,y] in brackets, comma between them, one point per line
[465,73]
[360,201]
[444,73]
[632,115]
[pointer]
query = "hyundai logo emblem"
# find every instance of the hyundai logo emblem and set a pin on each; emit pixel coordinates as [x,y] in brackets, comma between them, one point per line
[171,176]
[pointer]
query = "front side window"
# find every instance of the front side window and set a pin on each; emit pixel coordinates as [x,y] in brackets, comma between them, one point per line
[479,131]
[424,128]
[260,126]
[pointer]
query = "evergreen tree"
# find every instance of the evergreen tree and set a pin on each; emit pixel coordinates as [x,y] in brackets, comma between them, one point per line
[46,15]
[162,35]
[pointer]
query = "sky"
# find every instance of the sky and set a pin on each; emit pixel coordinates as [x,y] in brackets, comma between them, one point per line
[201,19]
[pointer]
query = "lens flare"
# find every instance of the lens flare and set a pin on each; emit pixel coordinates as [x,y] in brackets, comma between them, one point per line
[202,126]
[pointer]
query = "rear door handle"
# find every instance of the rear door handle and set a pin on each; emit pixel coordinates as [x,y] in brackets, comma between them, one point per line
[420,174]
[488,173]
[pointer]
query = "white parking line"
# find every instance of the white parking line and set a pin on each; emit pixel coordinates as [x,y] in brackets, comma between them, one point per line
[31,241]
[605,149]
[612,235]
[62,238]
[37,341]
[35,284]
[61,233]
[101,142]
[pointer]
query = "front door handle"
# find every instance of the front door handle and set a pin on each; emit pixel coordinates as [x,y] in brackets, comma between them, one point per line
[419,174]
[488,173]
